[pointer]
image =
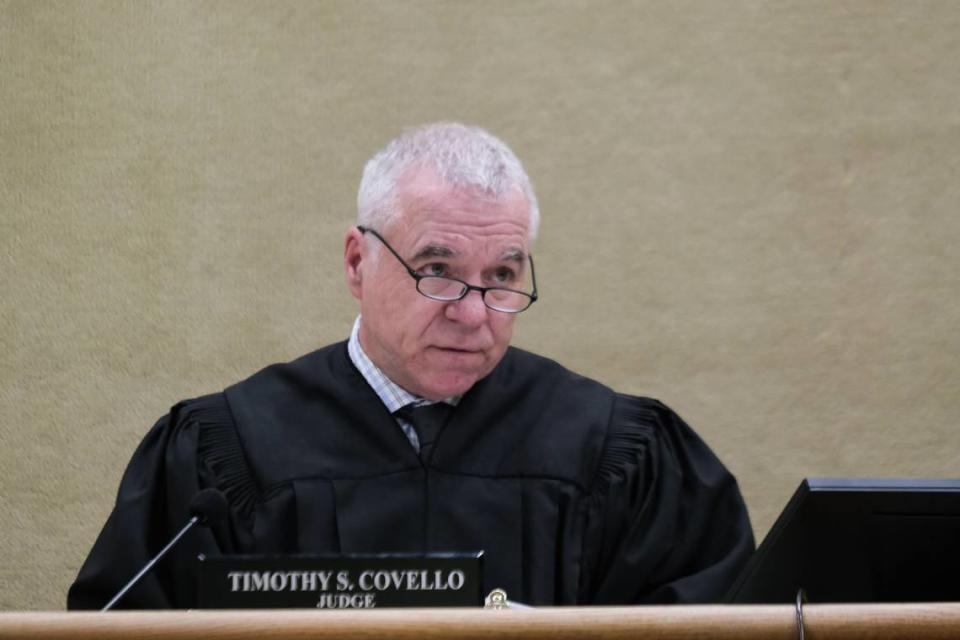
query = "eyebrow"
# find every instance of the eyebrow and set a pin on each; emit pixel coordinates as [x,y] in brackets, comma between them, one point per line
[439,251]
[434,251]
[513,255]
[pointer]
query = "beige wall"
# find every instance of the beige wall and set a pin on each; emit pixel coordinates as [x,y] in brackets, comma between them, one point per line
[750,212]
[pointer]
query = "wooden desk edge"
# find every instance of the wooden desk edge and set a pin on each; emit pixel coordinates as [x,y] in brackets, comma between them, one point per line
[933,621]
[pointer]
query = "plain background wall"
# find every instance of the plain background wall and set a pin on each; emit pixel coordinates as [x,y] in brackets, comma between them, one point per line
[750,212]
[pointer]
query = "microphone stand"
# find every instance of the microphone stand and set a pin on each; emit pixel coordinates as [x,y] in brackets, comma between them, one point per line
[190,523]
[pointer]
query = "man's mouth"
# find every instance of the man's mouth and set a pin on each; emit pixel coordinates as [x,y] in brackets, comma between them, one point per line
[459,350]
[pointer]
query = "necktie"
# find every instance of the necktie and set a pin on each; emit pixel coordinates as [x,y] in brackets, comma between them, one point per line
[428,420]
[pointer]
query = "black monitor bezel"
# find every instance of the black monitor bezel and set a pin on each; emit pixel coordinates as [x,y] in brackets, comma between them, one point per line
[771,575]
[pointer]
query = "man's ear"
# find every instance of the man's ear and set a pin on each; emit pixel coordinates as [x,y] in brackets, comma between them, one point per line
[352,262]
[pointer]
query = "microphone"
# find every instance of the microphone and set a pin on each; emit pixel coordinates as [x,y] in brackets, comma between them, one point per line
[208,508]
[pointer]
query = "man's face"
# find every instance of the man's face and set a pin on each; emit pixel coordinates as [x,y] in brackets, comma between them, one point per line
[431,348]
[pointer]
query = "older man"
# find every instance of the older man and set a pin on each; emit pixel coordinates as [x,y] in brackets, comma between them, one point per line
[425,431]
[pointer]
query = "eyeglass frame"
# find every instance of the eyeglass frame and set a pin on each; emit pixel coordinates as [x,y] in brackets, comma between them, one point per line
[467,286]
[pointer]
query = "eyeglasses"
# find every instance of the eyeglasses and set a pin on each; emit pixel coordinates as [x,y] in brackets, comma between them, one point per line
[447,289]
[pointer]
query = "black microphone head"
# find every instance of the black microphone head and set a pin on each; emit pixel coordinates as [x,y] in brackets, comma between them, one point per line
[210,506]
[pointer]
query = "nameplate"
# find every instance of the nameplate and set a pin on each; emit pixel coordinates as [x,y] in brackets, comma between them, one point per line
[355,581]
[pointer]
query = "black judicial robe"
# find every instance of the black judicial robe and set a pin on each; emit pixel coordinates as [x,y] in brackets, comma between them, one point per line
[576,494]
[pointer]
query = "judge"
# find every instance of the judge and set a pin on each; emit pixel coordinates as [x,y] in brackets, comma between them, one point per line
[425,431]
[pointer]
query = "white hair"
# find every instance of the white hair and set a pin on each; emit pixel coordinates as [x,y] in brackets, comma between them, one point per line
[461,155]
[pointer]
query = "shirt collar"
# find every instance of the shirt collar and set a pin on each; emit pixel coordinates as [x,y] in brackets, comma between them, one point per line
[391,394]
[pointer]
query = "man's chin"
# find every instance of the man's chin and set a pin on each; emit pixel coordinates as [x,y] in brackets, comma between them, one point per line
[445,373]
[448,385]
[438,393]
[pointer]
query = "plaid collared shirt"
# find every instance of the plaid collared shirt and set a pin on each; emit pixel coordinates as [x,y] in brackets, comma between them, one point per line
[393,396]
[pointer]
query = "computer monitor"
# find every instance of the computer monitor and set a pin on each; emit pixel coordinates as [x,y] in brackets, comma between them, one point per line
[860,540]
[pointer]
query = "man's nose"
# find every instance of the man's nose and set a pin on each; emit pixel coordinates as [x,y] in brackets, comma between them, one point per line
[468,310]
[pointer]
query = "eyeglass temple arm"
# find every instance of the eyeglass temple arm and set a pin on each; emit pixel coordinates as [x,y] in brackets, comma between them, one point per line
[410,270]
